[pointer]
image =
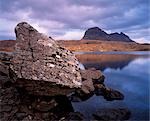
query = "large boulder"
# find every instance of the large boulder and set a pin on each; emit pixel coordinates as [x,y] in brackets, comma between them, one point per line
[96,75]
[40,65]
[89,78]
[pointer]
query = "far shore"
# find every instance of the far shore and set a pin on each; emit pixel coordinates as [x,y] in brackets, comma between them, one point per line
[87,45]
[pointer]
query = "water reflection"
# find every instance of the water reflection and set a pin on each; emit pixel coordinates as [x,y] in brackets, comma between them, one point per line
[103,61]
[127,73]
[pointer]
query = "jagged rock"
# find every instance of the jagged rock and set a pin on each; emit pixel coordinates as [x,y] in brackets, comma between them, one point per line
[89,78]
[40,65]
[87,86]
[96,33]
[99,89]
[112,114]
[111,94]
[119,37]
[93,74]
[108,93]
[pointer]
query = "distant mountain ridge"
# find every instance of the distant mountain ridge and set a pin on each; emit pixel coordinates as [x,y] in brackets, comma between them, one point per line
[96,33]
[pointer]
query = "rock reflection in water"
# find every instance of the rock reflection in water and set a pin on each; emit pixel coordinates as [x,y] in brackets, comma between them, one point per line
[103,61]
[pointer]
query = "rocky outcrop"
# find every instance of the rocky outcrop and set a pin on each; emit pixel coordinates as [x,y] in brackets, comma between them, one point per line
[108,93]
[89,78]
[18,104]
[119,37]
[96,33]
[40,79]
[39,64]
[93,83]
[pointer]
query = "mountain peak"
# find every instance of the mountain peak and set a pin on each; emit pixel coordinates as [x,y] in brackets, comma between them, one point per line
[94,28]
[95,33]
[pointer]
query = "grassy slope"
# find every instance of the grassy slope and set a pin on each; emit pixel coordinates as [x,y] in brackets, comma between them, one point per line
[87,45]
[97,45]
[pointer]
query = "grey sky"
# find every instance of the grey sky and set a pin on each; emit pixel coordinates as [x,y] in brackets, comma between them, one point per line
[68,19]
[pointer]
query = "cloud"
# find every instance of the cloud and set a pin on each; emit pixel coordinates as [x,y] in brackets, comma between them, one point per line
[67,18]
[72,35]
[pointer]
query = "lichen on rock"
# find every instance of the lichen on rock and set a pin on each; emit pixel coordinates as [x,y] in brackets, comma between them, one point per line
[38,57]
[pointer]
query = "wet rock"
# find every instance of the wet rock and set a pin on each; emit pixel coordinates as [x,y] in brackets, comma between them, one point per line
[108,93]
[99,89]
[111,94]
[39,64]
[87,86]
[86,91]
[112,114]
[92,73]
[89,78]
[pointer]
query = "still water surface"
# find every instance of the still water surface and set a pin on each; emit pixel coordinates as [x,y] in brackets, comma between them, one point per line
[131,76]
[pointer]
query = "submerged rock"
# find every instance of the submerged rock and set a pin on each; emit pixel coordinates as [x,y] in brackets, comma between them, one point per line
[39,64]
[112,114]
[108,93]
[111,94]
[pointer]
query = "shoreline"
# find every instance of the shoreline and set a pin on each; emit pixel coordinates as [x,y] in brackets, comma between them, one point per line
[87,46]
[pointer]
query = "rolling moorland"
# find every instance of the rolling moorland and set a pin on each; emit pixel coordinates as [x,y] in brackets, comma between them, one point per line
[94,39]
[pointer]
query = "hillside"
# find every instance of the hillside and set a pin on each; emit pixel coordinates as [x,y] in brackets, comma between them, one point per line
[100,45]
[87,45]
[7,45]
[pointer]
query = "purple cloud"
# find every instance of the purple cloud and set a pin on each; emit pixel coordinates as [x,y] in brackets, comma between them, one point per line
[68,19]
